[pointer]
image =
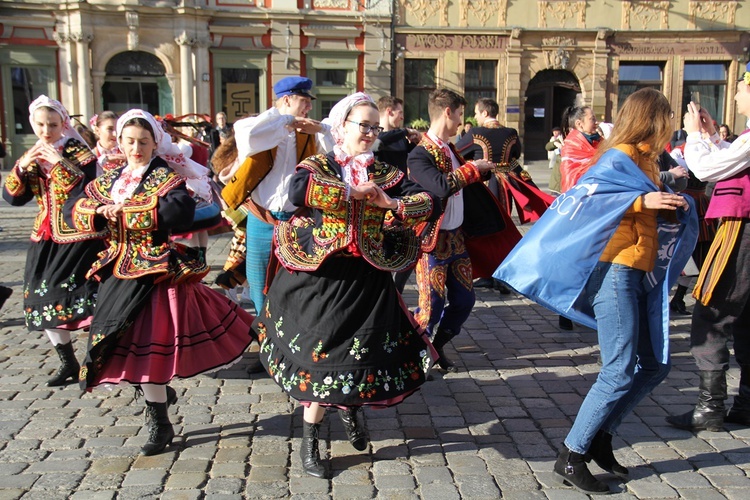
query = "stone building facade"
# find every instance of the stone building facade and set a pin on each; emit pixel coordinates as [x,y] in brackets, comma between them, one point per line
[533,56]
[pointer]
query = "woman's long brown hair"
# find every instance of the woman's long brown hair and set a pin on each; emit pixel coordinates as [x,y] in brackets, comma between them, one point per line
[643,120]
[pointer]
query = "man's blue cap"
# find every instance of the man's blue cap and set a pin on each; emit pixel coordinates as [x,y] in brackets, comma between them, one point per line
[292,85]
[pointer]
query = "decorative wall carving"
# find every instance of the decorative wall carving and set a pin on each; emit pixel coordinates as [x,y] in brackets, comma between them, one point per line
[425,9]
[646,12]
[713,11]
[563,11]
[483,11]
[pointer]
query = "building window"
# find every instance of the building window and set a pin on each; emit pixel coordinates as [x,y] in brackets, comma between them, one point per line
[330,86]
[636,76]
[419,81]
[240,92]
[706,83]
[480,81]
[239,82]
[28,83]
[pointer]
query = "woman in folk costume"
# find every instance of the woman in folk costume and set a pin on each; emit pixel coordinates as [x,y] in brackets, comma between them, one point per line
[58,297]
[604,255]
[154,319]
[579,145]
[333,330]
[107,151]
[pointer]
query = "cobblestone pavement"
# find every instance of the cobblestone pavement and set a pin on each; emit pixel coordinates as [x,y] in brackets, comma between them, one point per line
[490,431]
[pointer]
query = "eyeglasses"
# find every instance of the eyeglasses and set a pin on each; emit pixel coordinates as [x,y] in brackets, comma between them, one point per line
[366,129]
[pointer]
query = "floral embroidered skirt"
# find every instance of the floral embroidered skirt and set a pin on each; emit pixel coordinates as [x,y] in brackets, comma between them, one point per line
[55,290]
[342,336]
[150,333]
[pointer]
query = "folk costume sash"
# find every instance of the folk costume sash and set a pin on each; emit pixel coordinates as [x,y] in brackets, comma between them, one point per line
[552,263]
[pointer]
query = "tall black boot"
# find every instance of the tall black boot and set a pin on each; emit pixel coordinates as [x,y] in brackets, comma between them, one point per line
[308,451]
[677,304]
[443,336]
[354,430]
[160,431]
[740,411]
[601,452]
[709,412]
[69,367]
[572,470]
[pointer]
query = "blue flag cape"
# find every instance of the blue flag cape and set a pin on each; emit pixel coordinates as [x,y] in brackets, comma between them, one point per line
[552,263]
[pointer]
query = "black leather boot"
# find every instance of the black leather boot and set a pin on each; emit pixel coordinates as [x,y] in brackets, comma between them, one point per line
[69,367]
[160,431]
[308,451]
[740,411]
[443,336]
[677,304]
[601,452]
[572,470]
[354,430]
[564,323]
[709,412]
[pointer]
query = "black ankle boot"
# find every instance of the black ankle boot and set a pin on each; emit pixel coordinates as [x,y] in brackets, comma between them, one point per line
[601,452]
[160,431]
[354,430]
[564,323]
[677,304]
[171,397]
[69,367]
[572,470]
[308,451]
[709,412]
[740,411]
[442,337]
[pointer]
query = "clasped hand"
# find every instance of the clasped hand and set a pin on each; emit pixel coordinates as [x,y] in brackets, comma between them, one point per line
[110,212]
[39,151]
[373,195]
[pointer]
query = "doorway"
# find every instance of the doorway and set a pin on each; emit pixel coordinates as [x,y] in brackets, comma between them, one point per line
[136,79]
[547,96]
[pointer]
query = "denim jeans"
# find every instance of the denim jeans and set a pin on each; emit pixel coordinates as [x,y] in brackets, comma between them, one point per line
[629,370]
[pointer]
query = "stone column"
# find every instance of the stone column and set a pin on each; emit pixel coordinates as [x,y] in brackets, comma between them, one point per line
[67,96]
[83,73]
[202,88]
[186,104]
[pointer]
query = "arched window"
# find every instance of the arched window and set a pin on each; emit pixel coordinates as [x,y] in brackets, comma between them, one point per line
[135,63]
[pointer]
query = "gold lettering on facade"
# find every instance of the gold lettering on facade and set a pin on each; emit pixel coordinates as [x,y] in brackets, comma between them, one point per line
[558,40]
[454,42]
[331,4]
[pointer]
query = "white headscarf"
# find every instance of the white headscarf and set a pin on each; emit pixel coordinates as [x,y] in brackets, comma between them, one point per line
[354,167]
[196,176]
[45,102]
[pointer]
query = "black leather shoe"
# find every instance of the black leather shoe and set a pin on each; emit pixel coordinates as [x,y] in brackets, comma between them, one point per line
[69,367]
[308,451]
[571,470]
[564,323]
[354,429]
[602,454]
[161,432]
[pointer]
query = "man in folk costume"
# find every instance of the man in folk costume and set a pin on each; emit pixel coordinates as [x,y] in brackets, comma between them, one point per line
[271,144]
[494,142]
[446,269]
[722,309]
